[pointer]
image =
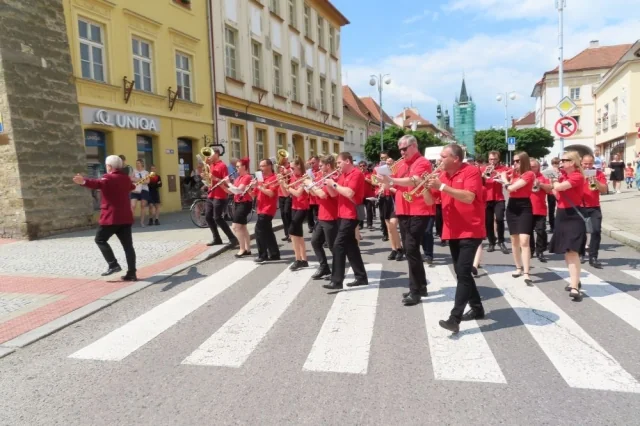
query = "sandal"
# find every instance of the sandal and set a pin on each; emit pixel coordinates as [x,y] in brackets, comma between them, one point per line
[517,275]
[568,286]
[575,294]
[528,281]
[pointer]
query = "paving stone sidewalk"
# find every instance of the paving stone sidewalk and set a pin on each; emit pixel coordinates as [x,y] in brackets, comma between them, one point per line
[621,217]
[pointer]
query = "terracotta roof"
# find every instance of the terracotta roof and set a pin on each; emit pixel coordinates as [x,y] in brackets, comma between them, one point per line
[374,109]
[528,120]
[351,101]
[412,116]
[595,58]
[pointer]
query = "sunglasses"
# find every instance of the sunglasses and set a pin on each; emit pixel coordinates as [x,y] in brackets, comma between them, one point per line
[516,160]
[404,149]
[565,160]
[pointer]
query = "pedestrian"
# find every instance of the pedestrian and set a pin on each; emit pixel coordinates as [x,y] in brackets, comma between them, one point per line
[155,183]
[217,200]
[495,203]
[116,216]
[243,203]
[538,239]
[299,209]
[267,203]
[593,187]
[628,176]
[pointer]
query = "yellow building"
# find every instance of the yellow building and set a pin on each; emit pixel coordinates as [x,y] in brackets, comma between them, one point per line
[143,78]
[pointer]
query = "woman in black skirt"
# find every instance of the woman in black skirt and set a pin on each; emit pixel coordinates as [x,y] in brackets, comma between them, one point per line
[299,208]
[242,207]
[570,232]
[520,213]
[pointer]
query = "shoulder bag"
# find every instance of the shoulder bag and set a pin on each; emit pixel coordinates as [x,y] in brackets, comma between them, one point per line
[587,220]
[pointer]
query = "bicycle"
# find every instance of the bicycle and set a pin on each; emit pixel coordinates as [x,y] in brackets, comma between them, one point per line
[231,207]
[197,212]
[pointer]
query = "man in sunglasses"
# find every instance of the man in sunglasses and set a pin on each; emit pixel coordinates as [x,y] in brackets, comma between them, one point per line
[495,202]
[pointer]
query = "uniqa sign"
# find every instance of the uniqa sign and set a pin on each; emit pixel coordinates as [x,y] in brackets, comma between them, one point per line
[122,120]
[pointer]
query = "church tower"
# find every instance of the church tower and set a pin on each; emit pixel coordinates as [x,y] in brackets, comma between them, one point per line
[464,118]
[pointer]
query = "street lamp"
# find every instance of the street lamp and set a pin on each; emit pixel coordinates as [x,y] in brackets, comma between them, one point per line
[378,80]
[500,98]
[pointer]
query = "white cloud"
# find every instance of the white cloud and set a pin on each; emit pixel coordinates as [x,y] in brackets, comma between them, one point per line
[421,16]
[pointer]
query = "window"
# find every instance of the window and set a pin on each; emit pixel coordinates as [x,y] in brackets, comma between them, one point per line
[293,13]
[320,31]
[362,138]
[336,147]
[332,40]
[145,150]
[614,113]
[277,74]
[310,89]
[183,76]
[261,142]
[230,42]
[256,59]
[307,21]
[325,147]
[323,103]
[575,94]
[274,6]
[282,141]
[91,51]
[312,147]
[353,142]
[294,82]
[142,65]
[236,141]
[334,98]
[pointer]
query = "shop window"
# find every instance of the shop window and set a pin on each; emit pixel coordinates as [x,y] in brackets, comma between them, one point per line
[236,141]
[325,147]
[95,148]
[261,146]
[312,148]
[145,150]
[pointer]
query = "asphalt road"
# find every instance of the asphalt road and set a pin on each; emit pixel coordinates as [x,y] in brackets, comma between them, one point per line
[228,342]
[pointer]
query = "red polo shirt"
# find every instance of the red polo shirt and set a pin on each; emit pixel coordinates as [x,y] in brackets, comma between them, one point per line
[219,170]
[462,220]
[328,207]
[354,180]
[524,192]
[574,193]
[592,198]
[267,205]
[414,166]
[301,202]
[539,199]
[493,189]
[242,180]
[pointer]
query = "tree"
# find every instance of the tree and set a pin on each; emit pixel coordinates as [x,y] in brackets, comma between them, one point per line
[390,139]
[535,142]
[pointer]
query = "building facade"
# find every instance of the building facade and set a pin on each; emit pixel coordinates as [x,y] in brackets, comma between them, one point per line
[278,77]
[582,74]
[356,124]
[617,104]
[527,121]
[143,79]
[464,119]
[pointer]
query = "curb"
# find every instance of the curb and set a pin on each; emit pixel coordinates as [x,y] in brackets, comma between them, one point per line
[626,238]
[58,324]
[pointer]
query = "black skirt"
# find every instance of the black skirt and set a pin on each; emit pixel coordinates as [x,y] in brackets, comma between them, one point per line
[297,219]
[241,212]
[519,216]
[569,234]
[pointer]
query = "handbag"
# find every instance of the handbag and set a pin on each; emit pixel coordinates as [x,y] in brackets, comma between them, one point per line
[587,220]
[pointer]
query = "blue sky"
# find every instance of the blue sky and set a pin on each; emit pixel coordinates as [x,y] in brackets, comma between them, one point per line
[499,45]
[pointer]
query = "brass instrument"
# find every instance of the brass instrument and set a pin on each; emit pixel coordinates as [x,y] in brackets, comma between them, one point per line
[281,155]
[394,166]
[488,171]
[206,170]
[322,179]
[536,186]
[144,179]
[374,179]
[302,179]
[206,152]
[593,185]
[408,196]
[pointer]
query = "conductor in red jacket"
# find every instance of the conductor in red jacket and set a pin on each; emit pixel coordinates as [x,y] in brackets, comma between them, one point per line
[116,216]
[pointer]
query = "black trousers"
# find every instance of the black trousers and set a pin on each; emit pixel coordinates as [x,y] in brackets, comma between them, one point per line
[463,252]
[265,237]
[123,232]
[214,214]
[495,212]
[325,231]
[551,203]
[346,247]
[427,239]
[412,230]
[538,240]
[439,220]
[284,204]
[596,236]
[312,215]
[383,225]
[369,207]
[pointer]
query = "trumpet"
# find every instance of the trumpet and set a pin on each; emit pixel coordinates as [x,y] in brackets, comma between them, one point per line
[488,171]
[536,186]
[394,166]
[593,185]
[144,179]
[409,196]
[322,179]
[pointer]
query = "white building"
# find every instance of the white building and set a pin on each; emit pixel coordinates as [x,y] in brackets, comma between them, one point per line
[278,77]
[582,74]
[356,124]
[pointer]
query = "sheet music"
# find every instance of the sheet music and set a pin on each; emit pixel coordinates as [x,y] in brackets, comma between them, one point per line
[590,173]
[259,177]
[383,171]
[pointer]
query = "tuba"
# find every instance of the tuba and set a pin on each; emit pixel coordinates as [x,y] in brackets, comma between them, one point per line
[206,170]
[206,152]
[281,155]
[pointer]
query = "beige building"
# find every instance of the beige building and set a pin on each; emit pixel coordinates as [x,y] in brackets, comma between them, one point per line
[278,77]
[356,124]
[617,99]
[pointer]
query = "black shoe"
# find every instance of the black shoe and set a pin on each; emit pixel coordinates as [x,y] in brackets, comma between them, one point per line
[411,299]
[451,325]
[274,258]
[385,238]
[357,283]
[304,263]
[583,258]
[423,293]
[576,295]
[595,263]
[130,276]
[260,260]
[333,286]
[243,254]
[321,273]
[392,255]
[400,256]
[491,248]
[150,222]
[474,271]
[472,314]
[233,243]
[443,243]
[504,248]
[285,238]
[295,265]
[541,258]
[428,260]
[112,270]
[215,243]
[568,287]
[325,245]
[157,222]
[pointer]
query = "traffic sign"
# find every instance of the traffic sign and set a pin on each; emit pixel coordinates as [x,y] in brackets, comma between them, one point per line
[566,127]
[566,106]
[511,144]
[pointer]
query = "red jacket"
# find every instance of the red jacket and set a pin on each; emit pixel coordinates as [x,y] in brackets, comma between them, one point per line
[115,207]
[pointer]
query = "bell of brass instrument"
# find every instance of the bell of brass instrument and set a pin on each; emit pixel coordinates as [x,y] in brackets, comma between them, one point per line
[536,186]
[593,185]
[488,171]
[206,152]
[395,165]
[409,196]
[281,155]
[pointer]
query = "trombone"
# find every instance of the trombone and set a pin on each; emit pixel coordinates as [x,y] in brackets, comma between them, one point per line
[394,166]
[408,196]
[322,179]
[488,172]
[144,179]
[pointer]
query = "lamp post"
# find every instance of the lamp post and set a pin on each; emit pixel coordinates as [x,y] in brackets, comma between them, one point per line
[500,98]
[378,80]
[560,5]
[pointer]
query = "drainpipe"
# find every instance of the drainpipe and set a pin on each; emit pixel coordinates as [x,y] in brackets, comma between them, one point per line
[246,126]
[212,72]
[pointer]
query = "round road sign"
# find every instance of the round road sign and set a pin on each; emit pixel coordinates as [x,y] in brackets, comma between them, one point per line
[566,127]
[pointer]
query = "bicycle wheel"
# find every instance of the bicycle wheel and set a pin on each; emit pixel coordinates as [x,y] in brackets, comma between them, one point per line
[197,211]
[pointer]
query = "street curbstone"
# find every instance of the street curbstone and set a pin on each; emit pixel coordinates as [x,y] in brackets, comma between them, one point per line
[6,351]
[624,237]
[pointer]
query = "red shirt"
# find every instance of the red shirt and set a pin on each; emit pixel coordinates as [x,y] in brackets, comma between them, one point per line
[328,207]
[301,202]
[369,188]
[525,191]
[592,198]
[242,180]
[415,166]
[462,220]
[115,206]
[354,180]
[313,200]
[493,189]
[267,205]
[539,199]
[574,193]
[219,170]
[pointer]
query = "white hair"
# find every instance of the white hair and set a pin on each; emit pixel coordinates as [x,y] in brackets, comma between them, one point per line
[114,161]
[409,139]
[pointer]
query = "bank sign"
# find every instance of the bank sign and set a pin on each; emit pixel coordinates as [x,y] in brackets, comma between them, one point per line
[122,120]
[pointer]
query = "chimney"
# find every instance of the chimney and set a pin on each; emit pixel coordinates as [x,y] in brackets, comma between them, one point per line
[594,43]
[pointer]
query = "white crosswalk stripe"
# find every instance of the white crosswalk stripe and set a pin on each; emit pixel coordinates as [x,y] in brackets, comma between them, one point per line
[635,274]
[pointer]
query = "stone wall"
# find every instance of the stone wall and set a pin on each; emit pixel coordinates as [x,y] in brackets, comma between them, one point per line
[43,145]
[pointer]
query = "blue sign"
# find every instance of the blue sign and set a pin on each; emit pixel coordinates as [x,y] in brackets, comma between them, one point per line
[512,141]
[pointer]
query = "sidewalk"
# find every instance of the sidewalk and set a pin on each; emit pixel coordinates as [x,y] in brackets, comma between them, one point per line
[621,217]
[48,284]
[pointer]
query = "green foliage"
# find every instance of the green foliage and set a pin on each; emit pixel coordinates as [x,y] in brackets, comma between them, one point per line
[535,142]
[390,139]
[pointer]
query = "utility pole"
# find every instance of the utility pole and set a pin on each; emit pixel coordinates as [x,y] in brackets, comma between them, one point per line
[560,5]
